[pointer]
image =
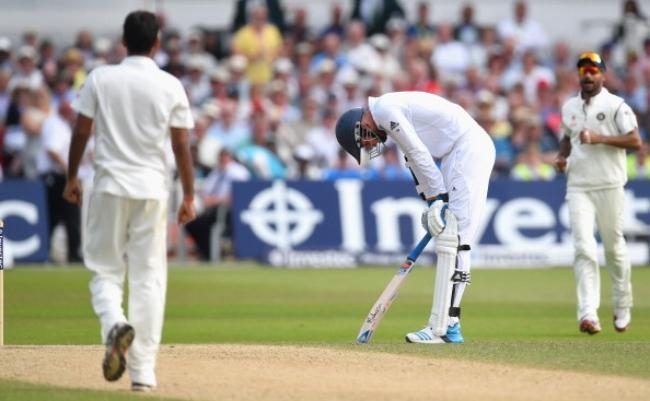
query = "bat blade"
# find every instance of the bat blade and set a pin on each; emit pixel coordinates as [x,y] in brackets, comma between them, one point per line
[389,294]
[382,304]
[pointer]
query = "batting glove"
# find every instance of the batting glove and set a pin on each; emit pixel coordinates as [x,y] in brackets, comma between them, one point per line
[433,217]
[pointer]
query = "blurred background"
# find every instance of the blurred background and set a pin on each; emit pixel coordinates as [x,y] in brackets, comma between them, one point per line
[272,184]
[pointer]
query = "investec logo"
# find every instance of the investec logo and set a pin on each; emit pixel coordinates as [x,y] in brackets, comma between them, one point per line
[284,217]
[281,216]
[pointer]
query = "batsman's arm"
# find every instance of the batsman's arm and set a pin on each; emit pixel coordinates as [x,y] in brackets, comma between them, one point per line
[181,148]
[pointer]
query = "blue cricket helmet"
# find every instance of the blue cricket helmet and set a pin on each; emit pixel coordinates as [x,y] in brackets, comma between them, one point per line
[348,132]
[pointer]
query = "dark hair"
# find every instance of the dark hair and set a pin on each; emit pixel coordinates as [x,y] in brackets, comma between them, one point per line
[140,31]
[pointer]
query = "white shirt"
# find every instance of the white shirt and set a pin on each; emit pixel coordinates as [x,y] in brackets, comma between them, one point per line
[529,34]
[423,125]
[55,134]
[596,166]
[133,105]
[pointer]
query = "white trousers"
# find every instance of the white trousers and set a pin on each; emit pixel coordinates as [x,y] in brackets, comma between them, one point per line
[604,208]
[129,237]
[466,172]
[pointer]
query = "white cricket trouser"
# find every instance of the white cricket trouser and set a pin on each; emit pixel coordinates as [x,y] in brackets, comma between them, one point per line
[466,172]
[129,236]
[605,208]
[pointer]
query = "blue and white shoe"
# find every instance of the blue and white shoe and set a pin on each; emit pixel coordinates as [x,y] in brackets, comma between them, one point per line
[424,336]
[454,335]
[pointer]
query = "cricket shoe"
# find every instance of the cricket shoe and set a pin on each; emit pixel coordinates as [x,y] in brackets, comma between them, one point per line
[117,343]
[622,319]
[454,335]
[590,326]
[426,336]
[141,387]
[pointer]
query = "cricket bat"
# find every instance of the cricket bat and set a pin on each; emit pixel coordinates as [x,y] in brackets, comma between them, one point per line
[389,294]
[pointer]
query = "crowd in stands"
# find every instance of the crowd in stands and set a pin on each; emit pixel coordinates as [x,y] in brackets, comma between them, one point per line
[266,91]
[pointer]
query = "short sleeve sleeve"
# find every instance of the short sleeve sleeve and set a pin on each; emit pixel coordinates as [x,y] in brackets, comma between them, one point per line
[181,116]
[625,119]
[86,101]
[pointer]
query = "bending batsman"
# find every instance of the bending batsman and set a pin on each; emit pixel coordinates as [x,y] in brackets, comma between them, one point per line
[598,129]
[430,129]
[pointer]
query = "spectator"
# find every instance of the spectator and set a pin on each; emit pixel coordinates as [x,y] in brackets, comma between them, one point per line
[330,49]
[375,14]
[422,28]
[467,31]
[260,42]
[227,130]
[336,23]
[322,139]
[5,54]
[244,9]
[216,199]
[27,72]
[344,167]
[631,30]
[500,132]
[84,44]
[360,54]
[52,166]
[526,33]
[392,165]
[219,80]
[195,49]
[351,94]
[239,85]
[284,71]
[196,82]
[422,77]
[389,63]
[260,156]
[450,57]
[530,166]
[304,166]
[73,64]
[5,97]
[638,163]
[279,106]
[298,30]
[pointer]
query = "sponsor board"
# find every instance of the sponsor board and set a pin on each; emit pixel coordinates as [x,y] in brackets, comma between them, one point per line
[346,223]
[24,211]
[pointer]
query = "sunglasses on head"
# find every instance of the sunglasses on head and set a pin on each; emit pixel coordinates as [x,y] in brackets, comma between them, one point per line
[591,56]
[588,69]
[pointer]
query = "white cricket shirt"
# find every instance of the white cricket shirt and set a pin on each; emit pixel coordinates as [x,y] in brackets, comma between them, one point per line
[596,166]
[133,104]
[423,125]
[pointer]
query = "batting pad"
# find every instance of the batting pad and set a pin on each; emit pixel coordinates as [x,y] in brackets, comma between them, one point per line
[446,249]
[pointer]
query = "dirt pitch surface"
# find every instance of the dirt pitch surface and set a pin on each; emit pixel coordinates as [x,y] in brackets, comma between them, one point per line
[278,373]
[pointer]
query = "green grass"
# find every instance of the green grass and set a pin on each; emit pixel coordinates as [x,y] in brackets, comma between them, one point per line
[525,317]
[17,391]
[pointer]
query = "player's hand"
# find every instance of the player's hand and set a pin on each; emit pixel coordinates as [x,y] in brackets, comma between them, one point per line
[587,137]
[560,164]
[433,217]
[186,211]
[73,192]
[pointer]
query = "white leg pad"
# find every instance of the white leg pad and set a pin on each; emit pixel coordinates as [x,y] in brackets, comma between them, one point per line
[446,249]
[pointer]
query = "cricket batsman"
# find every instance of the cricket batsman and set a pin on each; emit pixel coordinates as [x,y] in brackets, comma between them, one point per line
[451,158]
